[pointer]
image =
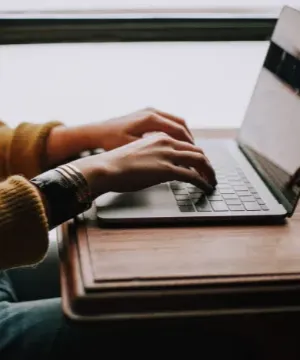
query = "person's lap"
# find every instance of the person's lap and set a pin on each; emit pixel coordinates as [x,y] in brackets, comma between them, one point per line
[32,329]
[38,329]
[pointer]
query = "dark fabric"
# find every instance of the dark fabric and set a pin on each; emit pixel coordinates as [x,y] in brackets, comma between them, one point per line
[38,330]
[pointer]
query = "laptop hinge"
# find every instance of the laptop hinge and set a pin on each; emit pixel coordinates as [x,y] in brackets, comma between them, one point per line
[285,188]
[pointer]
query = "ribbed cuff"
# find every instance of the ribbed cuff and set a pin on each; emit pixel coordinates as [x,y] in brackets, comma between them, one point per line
[28,149]
[23,224]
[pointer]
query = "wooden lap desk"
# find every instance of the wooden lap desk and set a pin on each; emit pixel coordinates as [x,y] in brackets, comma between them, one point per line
[162,272]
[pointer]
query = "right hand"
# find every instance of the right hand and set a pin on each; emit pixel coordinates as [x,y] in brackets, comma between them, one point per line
[155,159]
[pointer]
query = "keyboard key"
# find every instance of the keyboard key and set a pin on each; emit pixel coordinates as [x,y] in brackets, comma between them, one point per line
[184,203]
[197,194]
[243,193]
[182,197]
[196,197]
[236,207]
[215,192]
[226,191]
[195,191]
[177,185]
[180,191]
[231,172]
[191,186]
[240,187]
[221,177]
[260,201]
[247,198]
[256,196]
[196,200]
[233,178]
[237,183]
[264,207]
[233,202]
[251,189]
[222,181]
[219,206]
[230,196]
[186,208]
[252,206]
[223,186]
[247,183]
[215,197]
[203,206]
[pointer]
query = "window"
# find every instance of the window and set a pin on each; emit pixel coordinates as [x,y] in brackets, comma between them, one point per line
[88,81]
[210,6]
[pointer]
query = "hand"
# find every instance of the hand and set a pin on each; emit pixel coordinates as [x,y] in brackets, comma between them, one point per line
[121,131]
[65,142]
[146,162]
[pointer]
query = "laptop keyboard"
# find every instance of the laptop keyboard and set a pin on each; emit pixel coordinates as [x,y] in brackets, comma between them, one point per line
[233,193]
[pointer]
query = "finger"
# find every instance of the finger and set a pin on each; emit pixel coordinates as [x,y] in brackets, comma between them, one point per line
[183,145]
[157,123]
[172,117]
[191,176]
[197,161]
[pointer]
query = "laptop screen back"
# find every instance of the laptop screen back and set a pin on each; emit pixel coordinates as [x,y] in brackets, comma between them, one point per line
[271,127]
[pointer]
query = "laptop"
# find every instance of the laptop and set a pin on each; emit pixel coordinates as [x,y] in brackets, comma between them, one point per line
[258,172]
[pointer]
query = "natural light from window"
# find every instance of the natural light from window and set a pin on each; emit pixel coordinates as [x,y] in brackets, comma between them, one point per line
[222,6]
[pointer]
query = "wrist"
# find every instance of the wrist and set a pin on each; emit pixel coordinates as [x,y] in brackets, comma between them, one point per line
[84,137]
[96,173]
[64,192]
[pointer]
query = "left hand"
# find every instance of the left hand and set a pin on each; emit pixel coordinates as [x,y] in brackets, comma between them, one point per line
[65,142]
[123,130]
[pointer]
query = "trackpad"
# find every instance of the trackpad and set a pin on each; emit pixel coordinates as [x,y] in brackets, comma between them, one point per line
[156,196]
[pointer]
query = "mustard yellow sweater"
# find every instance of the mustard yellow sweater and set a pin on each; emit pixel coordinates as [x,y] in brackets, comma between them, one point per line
[23,222]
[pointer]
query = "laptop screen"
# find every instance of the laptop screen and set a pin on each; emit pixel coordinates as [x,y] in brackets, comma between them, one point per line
[271,127]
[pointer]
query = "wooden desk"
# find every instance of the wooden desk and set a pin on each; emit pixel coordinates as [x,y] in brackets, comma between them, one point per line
[110,274]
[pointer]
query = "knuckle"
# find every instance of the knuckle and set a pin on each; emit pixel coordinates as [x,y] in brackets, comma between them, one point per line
[168,167]
[169,153]
[178,127]
[150,109]
[182,121]
[150,116]
[150,113]
[200,157]
[163,139]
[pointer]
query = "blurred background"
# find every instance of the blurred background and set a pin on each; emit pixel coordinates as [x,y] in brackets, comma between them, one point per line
[195,58]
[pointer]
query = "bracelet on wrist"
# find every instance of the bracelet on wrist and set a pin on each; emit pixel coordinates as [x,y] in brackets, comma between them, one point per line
[66,192]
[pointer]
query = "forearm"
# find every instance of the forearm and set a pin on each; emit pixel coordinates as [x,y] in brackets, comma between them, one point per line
[65,143]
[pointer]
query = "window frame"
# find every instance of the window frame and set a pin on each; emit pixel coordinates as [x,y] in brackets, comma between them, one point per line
[24,29]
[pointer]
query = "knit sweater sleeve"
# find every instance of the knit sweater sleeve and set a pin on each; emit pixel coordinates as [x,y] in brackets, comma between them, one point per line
[23,224]
[25,150]
[23,221]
